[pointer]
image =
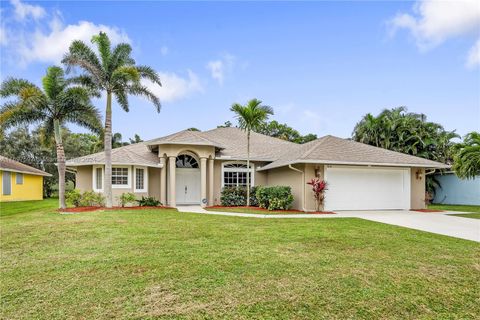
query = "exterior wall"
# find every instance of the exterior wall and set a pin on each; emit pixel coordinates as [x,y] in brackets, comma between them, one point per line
[457,191]
[154,183]
[309,170]
[83,178]
[31,189]
[285,176]
[84,182]
[417,189]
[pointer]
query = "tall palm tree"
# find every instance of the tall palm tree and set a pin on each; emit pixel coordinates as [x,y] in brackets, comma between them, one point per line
[114,72]
[57,104]
[467,160]
[251,117]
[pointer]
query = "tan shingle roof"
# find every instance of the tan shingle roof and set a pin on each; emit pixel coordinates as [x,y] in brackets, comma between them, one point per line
[232,144]
[185,137]
[262,147]
[137,153]
[334,150]
[7,164]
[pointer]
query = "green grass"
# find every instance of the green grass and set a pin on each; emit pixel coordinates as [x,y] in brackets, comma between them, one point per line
[454,207]
[467,215]
[163,264]
[251,210]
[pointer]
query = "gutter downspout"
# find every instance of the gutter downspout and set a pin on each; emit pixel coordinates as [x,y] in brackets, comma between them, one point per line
[303,184]
[430,172]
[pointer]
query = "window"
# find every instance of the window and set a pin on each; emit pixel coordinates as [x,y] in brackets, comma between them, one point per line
[6,183]
[98,178]
[186,161]
[19,178]
[141,179]
[119,176]
[235,175]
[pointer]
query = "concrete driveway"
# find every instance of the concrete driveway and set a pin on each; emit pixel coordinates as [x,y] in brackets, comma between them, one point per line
[435,222]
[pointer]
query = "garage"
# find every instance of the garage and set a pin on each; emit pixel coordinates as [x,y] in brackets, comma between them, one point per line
[367,188]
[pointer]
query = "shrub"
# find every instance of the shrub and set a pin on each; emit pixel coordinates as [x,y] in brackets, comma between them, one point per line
[275,197]
[92,199]
[237,196]
[126,198]
[73,197]
[86,199]
[148,202]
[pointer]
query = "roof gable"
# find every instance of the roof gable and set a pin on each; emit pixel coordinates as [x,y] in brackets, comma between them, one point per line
[7,164]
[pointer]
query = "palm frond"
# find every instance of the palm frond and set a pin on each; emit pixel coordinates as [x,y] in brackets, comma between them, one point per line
[81,55]
[149,73]
[121,57]
[122,99]
[53,82]
[140,90]
[13,86]
[104,46]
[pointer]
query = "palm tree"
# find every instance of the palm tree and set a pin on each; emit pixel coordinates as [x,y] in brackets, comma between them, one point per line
[57,104]
[467,159]
[251,117]
[114,72]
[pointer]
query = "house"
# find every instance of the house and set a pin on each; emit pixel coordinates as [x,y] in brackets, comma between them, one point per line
[20,182]
[454,190]
[190,167]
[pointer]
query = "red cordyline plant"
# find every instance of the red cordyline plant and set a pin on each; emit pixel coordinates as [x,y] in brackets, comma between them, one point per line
[318,187]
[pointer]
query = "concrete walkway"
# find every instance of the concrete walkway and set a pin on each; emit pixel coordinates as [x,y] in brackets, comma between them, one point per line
[435,222]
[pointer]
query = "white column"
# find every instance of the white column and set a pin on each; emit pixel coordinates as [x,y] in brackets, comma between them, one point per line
[172,178]
[203,180]
[163,181]
[210,182]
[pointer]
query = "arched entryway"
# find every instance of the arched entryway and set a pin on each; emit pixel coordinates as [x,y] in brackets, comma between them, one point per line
[188,180]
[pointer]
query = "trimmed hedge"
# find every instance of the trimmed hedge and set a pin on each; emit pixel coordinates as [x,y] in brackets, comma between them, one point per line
[237,196]
[275,197]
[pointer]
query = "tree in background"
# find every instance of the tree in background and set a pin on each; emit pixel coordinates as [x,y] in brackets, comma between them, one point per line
[250,118]
[114,72]
[284,132]
[402,131]
[398,130]
[52,108]
[467,158]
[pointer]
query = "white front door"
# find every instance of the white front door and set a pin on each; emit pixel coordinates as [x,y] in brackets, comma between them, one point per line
[187,186]
[365,188]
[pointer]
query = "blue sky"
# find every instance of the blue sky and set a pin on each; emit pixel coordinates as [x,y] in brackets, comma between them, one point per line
[320,65]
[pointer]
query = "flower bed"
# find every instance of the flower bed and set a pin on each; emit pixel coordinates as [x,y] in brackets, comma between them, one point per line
[263,210]
[90,209]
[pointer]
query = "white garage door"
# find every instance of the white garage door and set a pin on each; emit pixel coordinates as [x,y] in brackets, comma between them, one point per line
[364,188]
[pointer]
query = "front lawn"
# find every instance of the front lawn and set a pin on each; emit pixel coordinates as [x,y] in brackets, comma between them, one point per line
[467,215]
[253,210]
[146,264]
[454,207]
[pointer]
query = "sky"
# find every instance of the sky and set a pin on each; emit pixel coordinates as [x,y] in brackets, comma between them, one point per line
[320,65]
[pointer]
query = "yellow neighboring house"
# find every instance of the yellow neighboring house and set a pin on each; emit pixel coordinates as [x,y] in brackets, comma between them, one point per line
[20,182]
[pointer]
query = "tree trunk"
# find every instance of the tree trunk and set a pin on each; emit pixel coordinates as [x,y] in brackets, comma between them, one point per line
[60,164]
[107,185]
[248,168]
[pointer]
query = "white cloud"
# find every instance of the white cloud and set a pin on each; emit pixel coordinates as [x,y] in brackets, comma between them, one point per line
[51,46]
[220,68]
[435,21]
[23,10]
[473,58]
[175,87]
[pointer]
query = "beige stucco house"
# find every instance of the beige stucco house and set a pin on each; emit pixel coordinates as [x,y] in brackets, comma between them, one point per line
[190,167]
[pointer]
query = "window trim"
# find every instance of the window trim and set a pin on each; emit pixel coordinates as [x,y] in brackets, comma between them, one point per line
[94,178]
[145,179]
[129,178]
[252,171]
[19,175]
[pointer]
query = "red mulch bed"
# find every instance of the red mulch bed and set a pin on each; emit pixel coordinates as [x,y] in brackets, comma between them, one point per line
[427,210]
[266,210]
[90,209]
